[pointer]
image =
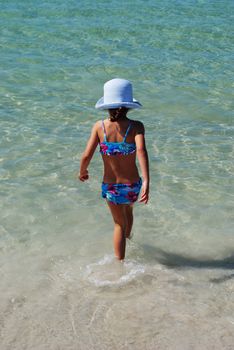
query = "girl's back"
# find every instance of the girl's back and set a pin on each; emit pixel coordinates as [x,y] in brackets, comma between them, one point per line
[118,149]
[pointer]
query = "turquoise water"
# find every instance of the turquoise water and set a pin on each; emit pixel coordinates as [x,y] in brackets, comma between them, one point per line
[60,285]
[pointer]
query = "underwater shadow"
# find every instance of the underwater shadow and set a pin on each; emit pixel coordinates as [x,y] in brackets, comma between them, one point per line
[173,260]
[222,278]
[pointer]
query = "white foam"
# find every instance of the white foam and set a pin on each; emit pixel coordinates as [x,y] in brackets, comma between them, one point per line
[110,272]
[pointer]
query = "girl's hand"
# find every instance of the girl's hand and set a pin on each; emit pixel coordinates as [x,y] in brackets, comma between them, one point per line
[144,193]
[83,176]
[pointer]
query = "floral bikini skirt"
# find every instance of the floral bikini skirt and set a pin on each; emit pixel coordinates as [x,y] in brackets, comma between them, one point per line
[121,193]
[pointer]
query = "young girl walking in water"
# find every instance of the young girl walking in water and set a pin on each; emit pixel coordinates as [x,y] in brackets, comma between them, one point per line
[120,140]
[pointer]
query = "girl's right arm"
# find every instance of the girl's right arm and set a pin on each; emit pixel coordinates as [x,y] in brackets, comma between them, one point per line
[88,154]
[143,159]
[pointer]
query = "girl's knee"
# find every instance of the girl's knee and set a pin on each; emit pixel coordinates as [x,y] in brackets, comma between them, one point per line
[121,226]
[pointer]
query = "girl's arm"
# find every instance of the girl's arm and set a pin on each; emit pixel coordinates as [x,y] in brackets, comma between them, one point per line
[88,154]
[143,159]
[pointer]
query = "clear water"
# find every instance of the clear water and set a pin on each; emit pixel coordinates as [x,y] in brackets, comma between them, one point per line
[61,287]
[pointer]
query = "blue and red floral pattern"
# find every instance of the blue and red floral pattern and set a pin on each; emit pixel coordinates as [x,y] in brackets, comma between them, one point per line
[117,148]
[121,193]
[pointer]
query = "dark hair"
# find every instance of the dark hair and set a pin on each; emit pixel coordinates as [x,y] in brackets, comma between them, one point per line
[117,113]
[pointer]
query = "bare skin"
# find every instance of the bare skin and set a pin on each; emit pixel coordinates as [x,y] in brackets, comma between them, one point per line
[119,169]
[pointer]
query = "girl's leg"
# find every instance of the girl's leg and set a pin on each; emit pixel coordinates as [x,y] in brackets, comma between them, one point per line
[129,218]
[120,224]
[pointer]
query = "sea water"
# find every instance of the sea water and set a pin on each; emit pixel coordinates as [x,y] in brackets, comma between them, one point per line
[61,287]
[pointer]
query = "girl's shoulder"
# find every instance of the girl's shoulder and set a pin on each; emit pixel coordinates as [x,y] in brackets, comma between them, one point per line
[138,126]
[98,124]
[98,127]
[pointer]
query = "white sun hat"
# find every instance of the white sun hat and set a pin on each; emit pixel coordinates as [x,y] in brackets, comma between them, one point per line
[117,93]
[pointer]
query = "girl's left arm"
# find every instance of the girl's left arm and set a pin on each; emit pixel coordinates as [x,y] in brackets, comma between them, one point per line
[88,154]
[142,155]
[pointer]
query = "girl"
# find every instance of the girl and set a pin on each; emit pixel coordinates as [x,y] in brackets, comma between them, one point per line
[120,140]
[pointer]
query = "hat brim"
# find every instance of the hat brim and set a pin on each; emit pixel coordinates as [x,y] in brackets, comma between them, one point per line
[131,105]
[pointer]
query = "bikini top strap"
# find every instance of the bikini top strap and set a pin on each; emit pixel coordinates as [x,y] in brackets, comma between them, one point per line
[126,134]
[104,131]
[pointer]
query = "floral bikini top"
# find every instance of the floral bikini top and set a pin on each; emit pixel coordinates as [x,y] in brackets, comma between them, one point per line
[117,148]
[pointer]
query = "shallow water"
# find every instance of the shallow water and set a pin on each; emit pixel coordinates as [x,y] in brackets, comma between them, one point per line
[61,287]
